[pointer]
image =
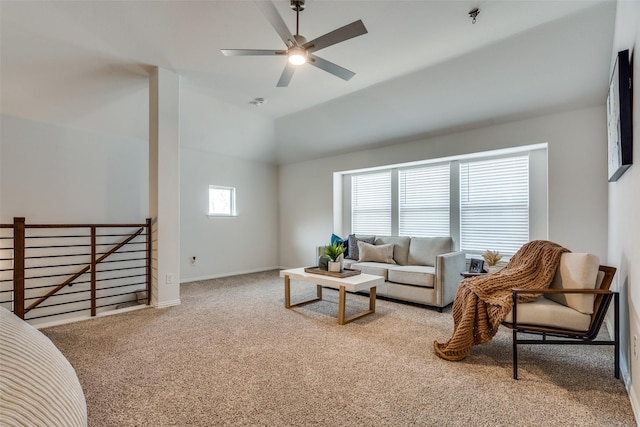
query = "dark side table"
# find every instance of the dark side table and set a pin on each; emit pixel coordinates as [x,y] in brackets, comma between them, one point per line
[466,274]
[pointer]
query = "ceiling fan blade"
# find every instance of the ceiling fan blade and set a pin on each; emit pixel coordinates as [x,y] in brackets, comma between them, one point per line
[330,67]
[252,52]
[347,32]
[271,13]
[287,73]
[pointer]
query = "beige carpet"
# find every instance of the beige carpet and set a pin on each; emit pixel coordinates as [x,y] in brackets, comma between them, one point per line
[231,354]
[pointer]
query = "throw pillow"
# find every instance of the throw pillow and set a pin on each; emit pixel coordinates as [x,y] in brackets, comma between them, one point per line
[376,253]
[353,245]
[340,241]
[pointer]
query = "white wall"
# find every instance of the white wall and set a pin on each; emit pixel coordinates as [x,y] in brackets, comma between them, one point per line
[51,174]
[227,245]
[55,174]
[624,213]
[577,179]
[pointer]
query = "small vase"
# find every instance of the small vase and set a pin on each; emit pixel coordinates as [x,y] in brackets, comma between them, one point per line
[323,262]
[335,266]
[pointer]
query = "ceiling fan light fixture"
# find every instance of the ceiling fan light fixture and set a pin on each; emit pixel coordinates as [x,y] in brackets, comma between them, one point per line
[298,50]
[297,56]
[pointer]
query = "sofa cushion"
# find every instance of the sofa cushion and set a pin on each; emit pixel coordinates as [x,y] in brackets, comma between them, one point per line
[401,247]
[347,263]
[416,275]
[376,253]
[545,312]
[375,268]
[423,250]
[353,244]
[576,271]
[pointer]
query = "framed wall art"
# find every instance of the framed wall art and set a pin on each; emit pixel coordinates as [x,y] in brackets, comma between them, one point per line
[619,126]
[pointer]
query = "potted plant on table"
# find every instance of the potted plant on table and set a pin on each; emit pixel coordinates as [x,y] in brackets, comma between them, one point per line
[335,252]
[492,258]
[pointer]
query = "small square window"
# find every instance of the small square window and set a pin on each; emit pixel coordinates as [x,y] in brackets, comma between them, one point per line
[222,201]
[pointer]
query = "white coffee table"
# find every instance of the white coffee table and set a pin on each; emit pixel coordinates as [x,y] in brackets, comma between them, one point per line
[361,282]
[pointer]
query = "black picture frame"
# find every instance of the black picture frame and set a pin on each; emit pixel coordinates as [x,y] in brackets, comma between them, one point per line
[619,126]
[475,265]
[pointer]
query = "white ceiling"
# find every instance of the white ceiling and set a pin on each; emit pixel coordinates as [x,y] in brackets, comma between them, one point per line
[422,69]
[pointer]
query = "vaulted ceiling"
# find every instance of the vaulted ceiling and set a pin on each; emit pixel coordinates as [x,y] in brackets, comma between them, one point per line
[422,69]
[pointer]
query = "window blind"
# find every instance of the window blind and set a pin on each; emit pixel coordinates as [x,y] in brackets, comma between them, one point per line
[424,201]
[494,204]
[371,203]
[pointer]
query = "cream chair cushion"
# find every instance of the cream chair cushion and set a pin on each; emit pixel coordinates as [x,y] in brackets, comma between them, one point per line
[544,312]
[576,271]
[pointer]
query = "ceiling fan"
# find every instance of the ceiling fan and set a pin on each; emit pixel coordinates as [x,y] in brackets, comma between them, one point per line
[299,50]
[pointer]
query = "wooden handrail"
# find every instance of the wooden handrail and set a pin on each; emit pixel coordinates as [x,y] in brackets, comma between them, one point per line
[149,251]
[82,225]
[18,266]
[82,270]
[94,291]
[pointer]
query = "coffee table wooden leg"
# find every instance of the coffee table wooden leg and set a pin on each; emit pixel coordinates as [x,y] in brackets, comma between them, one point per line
[341,305]
[287,294]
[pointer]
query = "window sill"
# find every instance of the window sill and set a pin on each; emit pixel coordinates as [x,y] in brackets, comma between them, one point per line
[220,216]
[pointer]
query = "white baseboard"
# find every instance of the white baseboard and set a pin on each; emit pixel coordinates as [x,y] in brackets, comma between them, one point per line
[229,274]
[44,325]
[165,304]
[635,405]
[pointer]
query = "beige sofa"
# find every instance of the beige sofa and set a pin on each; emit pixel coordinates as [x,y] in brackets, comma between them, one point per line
[421,270]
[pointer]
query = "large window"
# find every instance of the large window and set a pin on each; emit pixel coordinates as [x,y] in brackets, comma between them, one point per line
[371,203]
[495,201]
[494,204]
[424,201]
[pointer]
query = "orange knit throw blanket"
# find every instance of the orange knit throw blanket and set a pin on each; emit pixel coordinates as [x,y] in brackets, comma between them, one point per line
[482,302]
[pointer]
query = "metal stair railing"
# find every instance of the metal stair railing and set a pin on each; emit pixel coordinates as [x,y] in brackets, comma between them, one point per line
[105,259]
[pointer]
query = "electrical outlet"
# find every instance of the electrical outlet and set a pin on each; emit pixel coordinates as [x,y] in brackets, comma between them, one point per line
[635,347]
[169,278]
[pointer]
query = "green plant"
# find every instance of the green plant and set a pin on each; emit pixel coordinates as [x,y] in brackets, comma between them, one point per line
[334,251]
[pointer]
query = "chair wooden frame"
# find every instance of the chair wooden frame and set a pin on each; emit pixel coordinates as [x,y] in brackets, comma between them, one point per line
[570,337]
